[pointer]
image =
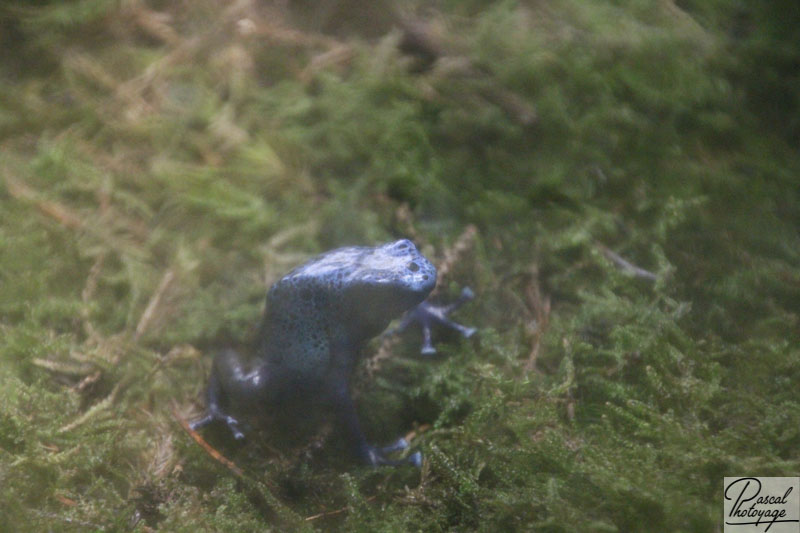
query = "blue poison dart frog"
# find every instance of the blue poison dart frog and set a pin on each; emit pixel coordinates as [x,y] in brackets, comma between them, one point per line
[317,319]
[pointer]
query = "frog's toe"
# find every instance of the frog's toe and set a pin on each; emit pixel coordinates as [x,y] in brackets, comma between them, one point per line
[468,332]
[427,349]
[465,331]
[233,425]
[231,422]
[398,445]
[467,294]
[376,456]
[201,423]
[415,459]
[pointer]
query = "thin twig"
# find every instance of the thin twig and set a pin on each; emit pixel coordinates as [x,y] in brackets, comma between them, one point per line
[405,218]
[289,36]
[66,368]
[67,217]
[88,292]
[334,512]
[152,305]
[421,40]
[457,250]
[334,57]
[539,307]
[87,381]
[374,363]
[94,410]
[56,211]
[68,520]
[414,433]
[256,488]
[210,450]
[154,23]
[624,265]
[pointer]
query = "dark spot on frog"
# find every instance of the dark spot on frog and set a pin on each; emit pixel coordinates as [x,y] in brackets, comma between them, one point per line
[318,318]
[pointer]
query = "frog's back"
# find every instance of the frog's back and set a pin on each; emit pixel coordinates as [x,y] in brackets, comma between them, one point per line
[297,325]
[339,299]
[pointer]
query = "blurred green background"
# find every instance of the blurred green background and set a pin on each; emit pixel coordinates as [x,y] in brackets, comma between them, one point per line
[619,182]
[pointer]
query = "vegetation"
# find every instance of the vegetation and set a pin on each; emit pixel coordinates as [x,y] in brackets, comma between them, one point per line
[617,180]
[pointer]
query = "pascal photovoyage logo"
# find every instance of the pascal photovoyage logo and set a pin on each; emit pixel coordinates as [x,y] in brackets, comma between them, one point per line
[761,504]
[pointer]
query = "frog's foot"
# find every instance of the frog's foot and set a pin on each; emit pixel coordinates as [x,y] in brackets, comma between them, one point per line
[397,446]
[377,456]
[428,314]
[215,414]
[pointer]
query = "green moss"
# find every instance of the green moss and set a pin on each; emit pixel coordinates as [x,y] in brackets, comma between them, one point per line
[160,167]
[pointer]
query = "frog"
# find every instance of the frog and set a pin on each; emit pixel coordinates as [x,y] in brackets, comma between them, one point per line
[317,321]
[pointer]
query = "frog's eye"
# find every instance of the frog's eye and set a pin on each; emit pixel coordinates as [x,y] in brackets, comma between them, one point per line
[402,245]
[413,267]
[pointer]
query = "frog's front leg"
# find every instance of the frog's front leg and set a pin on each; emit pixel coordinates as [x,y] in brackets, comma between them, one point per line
[347,418]
[231,383]
[428,314]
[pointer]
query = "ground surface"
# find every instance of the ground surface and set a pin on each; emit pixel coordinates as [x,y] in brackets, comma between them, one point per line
[617,181]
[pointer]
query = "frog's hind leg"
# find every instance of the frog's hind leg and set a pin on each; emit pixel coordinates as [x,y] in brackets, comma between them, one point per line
[348,419]
[229,383]
[215,411]
[398,446]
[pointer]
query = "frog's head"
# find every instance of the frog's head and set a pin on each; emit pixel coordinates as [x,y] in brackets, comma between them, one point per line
[394,271]
[361,288]
[384,282]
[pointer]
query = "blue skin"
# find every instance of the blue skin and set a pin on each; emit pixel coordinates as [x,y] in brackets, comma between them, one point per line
[318,318]
[427,315]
